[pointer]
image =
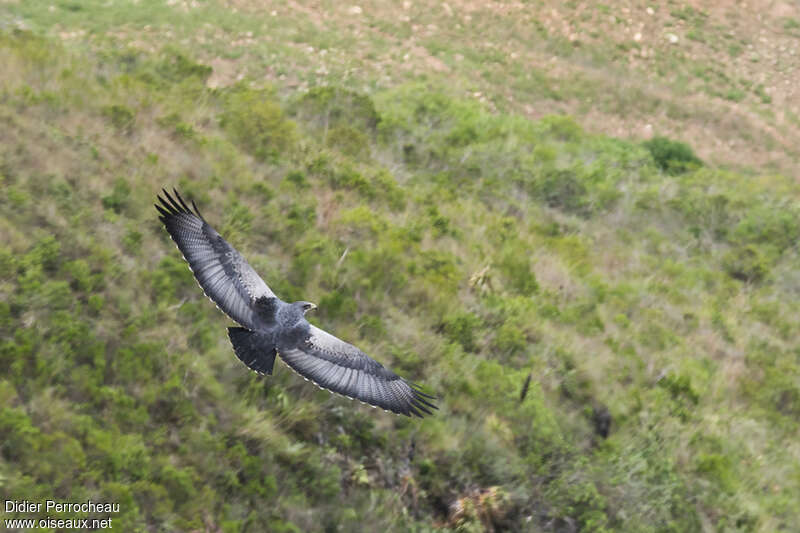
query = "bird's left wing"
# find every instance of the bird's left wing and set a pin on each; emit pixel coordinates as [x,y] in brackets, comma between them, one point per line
[340,367]
[221,271]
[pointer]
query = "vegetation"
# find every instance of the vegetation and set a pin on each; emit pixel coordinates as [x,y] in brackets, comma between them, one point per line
[672,157]
[651,298]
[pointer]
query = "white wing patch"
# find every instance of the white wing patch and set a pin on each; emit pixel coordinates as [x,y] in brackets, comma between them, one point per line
[339,367]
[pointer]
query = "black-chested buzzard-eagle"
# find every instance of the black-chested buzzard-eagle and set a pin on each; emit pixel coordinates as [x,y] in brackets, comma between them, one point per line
[272,326]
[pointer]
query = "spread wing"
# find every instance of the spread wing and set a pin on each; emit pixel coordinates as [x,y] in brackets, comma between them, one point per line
[342,368]
[223,274]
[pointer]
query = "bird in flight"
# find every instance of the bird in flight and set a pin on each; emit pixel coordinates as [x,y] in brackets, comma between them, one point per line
[273,327]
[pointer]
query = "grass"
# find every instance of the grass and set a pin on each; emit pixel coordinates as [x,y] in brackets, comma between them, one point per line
[324,44]
[465,247]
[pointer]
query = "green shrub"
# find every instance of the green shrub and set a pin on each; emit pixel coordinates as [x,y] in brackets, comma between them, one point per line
[178,128]
[331,107]
[5,316]
[714,214]
[179,482]
[347,140]
[515,266]
[769,225]
[95,302]
[438,268]
[372,327]
[776,384]
[45,253]
[255,121]
[461,327]
[300,216]
[33,48]
[171,278]
[82,279]
[510,339]
[563,127]
[308,256]
[461,135]
[746,263]
[21,439]
[17,197]
[176,67]
[337,304]
[441,224]
[680,387]
[578,501]
[389,190]
[672,157]
[297,178]
[238,220]
[121,117]
[562,189]
[132,241]
[265,192]
[718,468]
[348,177]
[119,197]
[57,294]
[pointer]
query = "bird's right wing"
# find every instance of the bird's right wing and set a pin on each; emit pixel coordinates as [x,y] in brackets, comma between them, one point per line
[223,274]
[340,367]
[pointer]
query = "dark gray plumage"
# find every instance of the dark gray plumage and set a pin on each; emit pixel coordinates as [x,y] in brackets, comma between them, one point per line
[273,327]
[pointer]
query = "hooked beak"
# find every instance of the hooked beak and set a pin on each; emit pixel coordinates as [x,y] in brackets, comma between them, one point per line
[311,307]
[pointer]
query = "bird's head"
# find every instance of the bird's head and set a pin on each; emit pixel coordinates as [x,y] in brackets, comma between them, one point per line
[305,306]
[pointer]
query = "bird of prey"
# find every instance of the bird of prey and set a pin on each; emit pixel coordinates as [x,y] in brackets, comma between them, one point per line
[271,326]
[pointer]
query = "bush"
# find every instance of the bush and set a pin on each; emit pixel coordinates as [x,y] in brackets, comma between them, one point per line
[460,328]
[562,189]
[672,157]
[347,140]
[349,177]
[178,128]
[746,263]
[256,122]
[389,190]
[718,468]
[45,253]
[515,265]
[297,178]
[680,387]
[119,197]
[21,439]
[578,503]
[330,107]
[705,213]
[121,117]
[176,67]
[768,225]
[562,127]
[510,339]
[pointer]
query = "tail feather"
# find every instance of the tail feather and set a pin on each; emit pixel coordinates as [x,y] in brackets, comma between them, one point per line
[253,349]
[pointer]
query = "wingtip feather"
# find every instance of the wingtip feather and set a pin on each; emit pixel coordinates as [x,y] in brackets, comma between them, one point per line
[180,199]
[197,211]
[174,204]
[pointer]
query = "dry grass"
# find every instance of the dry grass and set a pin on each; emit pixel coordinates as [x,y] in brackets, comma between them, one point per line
[725,85]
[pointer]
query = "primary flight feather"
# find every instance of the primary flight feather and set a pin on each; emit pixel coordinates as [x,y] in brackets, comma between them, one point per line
[272,326]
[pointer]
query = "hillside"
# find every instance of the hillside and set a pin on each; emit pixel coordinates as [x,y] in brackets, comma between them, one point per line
[719,75]
[650,294]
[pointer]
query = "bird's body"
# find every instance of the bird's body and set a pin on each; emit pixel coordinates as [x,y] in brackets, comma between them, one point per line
[273,327]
